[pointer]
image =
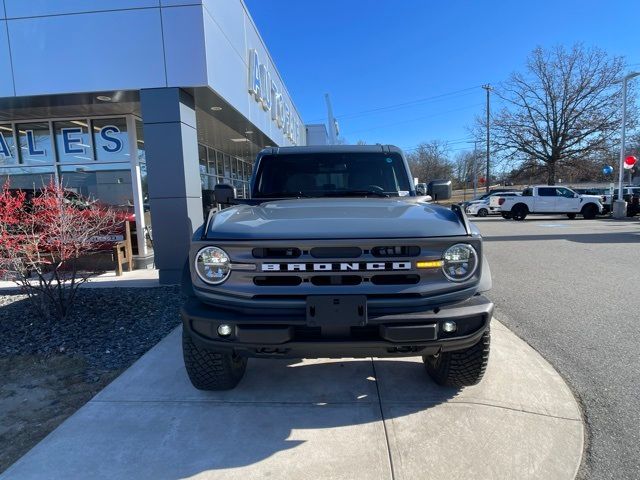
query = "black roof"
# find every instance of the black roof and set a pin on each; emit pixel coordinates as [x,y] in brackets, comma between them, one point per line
[330,149]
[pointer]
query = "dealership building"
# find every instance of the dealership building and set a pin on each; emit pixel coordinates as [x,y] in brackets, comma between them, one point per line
[144,105]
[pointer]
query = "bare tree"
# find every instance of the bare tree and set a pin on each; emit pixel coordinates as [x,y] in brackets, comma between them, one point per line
[566,106]
[430,161]
[43,238]
[468,165]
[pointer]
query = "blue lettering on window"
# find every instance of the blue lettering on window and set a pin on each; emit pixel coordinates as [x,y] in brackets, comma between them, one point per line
[71,142]
[106,134]
[31,142]
[4,148]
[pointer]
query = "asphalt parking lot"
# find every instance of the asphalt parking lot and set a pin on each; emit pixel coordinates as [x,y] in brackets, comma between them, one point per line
[571,289]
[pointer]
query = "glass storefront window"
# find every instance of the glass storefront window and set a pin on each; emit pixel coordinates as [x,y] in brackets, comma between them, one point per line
[108,184]
[142,161]
[35,143]
[212,161]
[26,178]
[202,162]
[111,140]
[144,186]
[219,167]
[234,171]
[72,141]
[227,169]
[8,153]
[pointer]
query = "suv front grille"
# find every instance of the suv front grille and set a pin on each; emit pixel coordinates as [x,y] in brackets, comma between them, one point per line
[336,266]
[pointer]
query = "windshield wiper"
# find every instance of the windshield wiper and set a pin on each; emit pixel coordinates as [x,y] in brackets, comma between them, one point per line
[356,193]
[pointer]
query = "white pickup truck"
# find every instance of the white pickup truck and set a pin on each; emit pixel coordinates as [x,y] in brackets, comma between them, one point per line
[545,199]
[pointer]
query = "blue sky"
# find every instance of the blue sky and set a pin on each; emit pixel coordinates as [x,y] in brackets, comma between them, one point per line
[371,54]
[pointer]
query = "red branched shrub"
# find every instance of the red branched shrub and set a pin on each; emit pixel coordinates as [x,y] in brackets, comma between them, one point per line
[41,238]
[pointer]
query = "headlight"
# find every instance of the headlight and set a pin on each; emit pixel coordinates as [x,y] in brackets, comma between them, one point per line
[460,262]
[213,265]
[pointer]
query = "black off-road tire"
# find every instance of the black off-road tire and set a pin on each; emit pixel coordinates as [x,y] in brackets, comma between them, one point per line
[210,369]
[589,211]
[483,212]
[519,212]
[571,216]
[462,368]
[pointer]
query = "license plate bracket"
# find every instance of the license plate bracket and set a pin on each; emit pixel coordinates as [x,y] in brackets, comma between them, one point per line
[336,310]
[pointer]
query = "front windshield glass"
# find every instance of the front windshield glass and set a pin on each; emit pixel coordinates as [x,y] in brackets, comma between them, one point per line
[331,174]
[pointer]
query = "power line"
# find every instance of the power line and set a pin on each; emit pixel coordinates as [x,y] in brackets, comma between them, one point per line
[414,119]
[403,104]
[453,141]
[446,145]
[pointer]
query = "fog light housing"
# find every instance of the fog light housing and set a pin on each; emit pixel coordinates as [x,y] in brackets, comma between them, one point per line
[224,330]
[449,326]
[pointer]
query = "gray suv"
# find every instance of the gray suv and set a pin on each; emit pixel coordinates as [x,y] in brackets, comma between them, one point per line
[334,255]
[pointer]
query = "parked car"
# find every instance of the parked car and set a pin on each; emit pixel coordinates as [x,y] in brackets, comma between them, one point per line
[482,208]
[631,195]
[492,192]
[546,199]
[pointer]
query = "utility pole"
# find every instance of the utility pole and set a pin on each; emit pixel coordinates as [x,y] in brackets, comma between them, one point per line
[619,206]
[488,88]
[333,135]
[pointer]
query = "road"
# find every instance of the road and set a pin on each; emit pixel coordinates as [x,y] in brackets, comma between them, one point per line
[571,289]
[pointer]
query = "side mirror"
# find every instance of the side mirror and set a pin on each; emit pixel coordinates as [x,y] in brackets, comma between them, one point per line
[224,194]
[439,190]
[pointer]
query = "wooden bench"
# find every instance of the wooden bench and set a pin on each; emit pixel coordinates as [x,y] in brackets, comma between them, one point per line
[122,251]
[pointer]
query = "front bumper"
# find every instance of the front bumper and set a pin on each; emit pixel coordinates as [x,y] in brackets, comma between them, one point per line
[389,335]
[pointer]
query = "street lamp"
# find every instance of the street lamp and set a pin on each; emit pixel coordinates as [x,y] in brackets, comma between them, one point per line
[619,206]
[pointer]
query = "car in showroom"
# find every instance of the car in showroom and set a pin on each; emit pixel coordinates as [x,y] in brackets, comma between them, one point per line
[335,255]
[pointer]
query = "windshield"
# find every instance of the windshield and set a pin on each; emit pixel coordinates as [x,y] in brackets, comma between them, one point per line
[331,174]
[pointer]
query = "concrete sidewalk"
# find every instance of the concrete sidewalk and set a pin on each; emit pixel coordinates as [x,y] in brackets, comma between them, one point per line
[320,419]
[143,278]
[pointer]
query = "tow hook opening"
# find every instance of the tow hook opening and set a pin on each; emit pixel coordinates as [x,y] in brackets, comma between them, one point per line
[271,351]
[404,349]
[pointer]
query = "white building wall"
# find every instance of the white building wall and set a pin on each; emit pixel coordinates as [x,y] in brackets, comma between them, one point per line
[73,46]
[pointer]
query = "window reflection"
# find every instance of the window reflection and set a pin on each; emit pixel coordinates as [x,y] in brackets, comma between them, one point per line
[8,153]
[35,143]
[72,141]
[26,178]
[108,184]
[111,140]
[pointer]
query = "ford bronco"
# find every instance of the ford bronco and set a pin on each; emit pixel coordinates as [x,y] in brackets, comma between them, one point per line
[334,255]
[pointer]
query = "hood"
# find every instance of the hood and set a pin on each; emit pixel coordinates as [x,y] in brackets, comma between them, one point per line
[592,197]
[332,218]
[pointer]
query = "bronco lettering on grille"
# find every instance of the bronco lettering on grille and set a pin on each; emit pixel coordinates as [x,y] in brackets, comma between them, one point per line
[335,267]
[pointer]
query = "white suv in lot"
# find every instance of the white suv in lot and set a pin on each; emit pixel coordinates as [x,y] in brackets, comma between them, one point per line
[483,207]
[548,199]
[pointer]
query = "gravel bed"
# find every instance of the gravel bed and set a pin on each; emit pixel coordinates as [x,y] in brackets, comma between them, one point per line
[109,328]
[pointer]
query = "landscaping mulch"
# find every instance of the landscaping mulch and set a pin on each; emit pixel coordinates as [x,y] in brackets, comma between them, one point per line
[49,369]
